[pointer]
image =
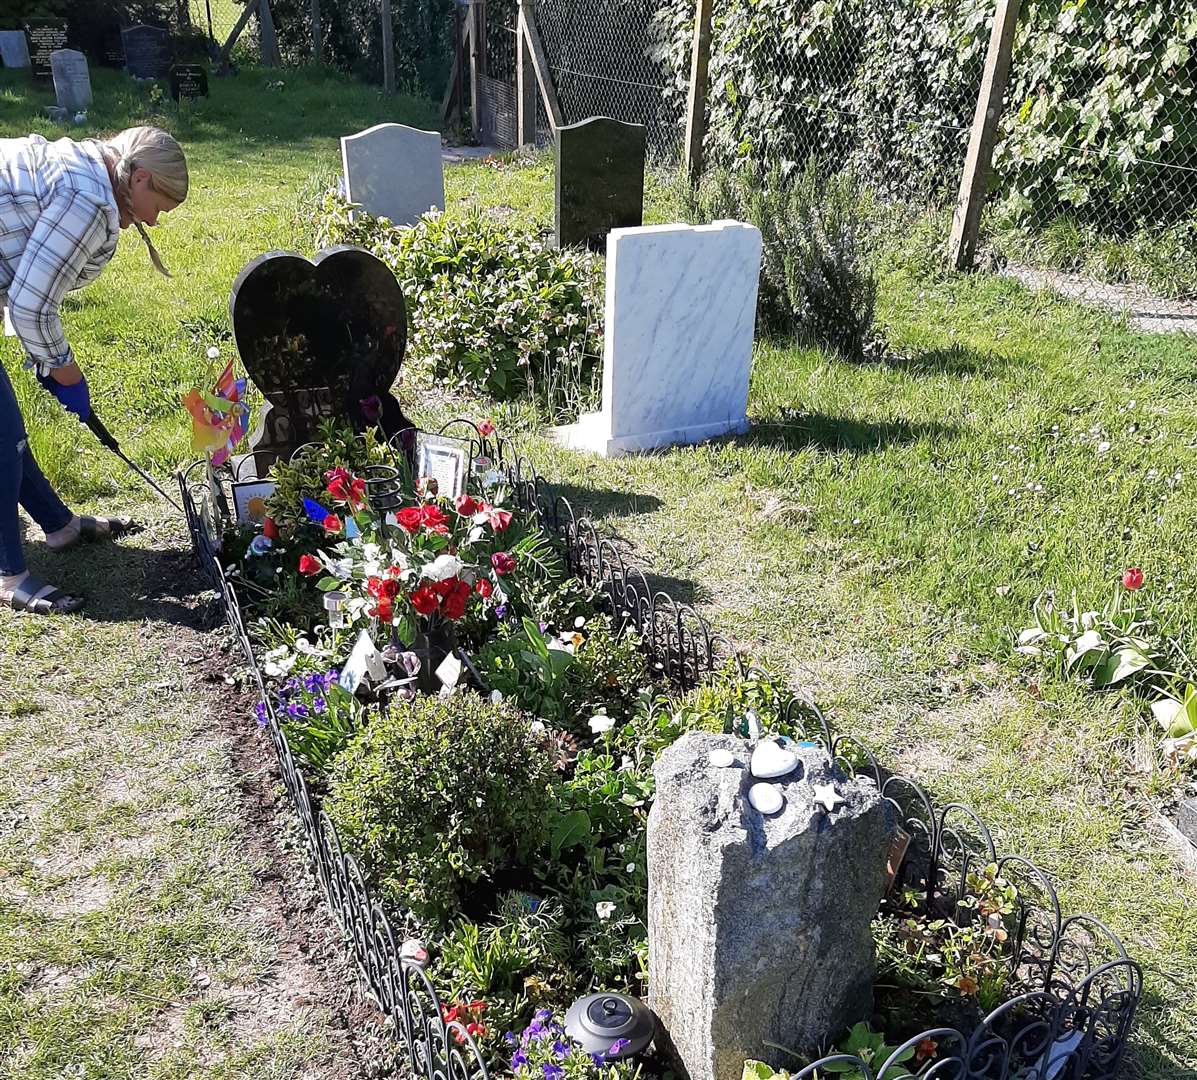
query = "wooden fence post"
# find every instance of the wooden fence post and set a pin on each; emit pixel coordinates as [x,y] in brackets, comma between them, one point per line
[540,64]
[477,63]
[525,80]
[388,50]
[974,181]
[317,34]
[696,106]
[269,41]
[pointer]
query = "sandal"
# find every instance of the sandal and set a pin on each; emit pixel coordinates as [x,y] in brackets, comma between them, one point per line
[90,530]
[41,599]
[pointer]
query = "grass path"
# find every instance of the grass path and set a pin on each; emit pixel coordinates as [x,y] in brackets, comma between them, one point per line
[155,919]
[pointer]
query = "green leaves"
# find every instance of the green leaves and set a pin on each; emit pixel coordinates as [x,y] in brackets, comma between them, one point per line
[567,830]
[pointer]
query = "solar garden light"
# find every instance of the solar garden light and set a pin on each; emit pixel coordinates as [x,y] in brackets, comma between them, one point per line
[334,604]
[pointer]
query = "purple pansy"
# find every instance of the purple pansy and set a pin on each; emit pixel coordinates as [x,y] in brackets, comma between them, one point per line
[260,713]
[617,1047]
[319,704]
[518,1058]
[553,1072]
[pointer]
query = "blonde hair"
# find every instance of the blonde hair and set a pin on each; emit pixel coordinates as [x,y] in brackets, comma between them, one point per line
[157,152]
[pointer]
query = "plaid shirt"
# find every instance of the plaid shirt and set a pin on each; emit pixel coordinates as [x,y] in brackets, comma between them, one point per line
[58,228]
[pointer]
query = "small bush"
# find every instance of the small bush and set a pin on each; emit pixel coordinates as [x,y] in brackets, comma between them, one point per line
[816,284]
[490,307]
[438,795]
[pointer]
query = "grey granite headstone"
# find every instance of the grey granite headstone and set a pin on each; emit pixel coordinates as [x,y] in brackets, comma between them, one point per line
[600,181]
[394,171]
[147,52]
[759,926]
[43,37]
[72,83]
[14,49]
[1187,820]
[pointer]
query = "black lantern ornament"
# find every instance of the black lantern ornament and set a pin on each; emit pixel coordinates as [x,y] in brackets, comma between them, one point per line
[614,1025]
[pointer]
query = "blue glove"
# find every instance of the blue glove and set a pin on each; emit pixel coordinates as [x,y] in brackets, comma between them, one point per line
[75,398]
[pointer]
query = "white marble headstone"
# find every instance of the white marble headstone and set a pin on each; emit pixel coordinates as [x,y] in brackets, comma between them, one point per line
[677,350]
[72,83]
[14,49]
[394,171]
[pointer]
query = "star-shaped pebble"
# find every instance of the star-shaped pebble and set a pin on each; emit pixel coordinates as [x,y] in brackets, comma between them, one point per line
[827,797]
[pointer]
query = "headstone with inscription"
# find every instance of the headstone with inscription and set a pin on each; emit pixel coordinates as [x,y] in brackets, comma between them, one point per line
[14,49]
[44,36]
[394,171]
[600,180]
[321,340]
[188,81]
[147,52]
[72,83]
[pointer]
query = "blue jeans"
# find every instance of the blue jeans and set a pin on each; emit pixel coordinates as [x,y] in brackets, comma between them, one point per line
[21,481]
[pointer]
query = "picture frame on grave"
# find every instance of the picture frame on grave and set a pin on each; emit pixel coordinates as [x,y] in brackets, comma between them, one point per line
[246,494]
[444,459]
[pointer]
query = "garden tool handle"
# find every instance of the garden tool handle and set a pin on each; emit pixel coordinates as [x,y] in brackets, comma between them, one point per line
[102,433]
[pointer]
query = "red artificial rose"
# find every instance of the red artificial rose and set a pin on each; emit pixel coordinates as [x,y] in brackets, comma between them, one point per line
[385,609]
[410,518]
[269,528]
[434,518]
[1132,579]
[357,493]
[394,571]
[425,600]
[338,488]
[453,607]
[503,562]
[374,586]
[309,565]
[483,587]
[389,588]
[486,428]
[332,524]
[466,506]
[338,475]
[499,519]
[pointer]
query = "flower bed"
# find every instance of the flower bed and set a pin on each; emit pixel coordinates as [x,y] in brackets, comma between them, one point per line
[491,842]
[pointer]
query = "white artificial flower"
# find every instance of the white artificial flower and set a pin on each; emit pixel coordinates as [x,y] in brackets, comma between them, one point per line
[604,909]
[631,868]
[600,723]
[537,726]
[213,352]
[443,567]
[626,764]
[302,645]
[579,622]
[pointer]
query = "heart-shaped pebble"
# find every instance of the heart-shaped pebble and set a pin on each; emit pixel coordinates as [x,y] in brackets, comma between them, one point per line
[721,759]
[765,798]
[769,761]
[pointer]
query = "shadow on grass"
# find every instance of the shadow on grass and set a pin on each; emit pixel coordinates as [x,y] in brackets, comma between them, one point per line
[1160,1056]
[839,433]
[954,360]
[680,590]
[128,584]
[603,503]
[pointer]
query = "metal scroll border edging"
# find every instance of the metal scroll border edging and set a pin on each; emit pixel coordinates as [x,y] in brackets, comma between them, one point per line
[1082,989]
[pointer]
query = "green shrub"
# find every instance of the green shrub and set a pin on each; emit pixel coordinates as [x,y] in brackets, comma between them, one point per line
[490,307]
[816,284]
[437,796]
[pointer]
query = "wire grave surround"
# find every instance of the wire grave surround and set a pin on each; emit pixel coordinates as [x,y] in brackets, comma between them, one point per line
[1074,990]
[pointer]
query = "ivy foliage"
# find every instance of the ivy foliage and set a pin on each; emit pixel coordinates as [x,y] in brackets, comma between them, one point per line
[1099,111]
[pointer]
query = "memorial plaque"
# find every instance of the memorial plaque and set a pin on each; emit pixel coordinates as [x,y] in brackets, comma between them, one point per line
[147,52]
[44,36]
[188,81]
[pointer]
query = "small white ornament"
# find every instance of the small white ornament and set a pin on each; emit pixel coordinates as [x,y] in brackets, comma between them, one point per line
[721,759]
[827,797]
[765,798]
[769,761]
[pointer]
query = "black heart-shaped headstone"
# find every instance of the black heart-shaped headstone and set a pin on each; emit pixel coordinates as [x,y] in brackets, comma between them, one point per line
[321,339]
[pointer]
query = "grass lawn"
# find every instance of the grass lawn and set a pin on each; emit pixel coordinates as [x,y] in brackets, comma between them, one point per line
[878,536]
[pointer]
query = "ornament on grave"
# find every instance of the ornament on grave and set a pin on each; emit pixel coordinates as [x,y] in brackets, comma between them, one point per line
[321,340]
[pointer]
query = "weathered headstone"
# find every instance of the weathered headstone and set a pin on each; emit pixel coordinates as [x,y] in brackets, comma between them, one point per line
[43,37]
[147,51]
[188,81]
[14,49]
[759,925]
[320,340]
[72,83]
[600,180]
[394,171]
[677,342]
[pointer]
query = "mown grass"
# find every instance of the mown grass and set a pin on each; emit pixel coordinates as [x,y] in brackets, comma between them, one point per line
[878,536]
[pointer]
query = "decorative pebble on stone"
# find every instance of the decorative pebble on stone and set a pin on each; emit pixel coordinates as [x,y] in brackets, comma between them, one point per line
[721,759]
[770,761]
[765,798]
